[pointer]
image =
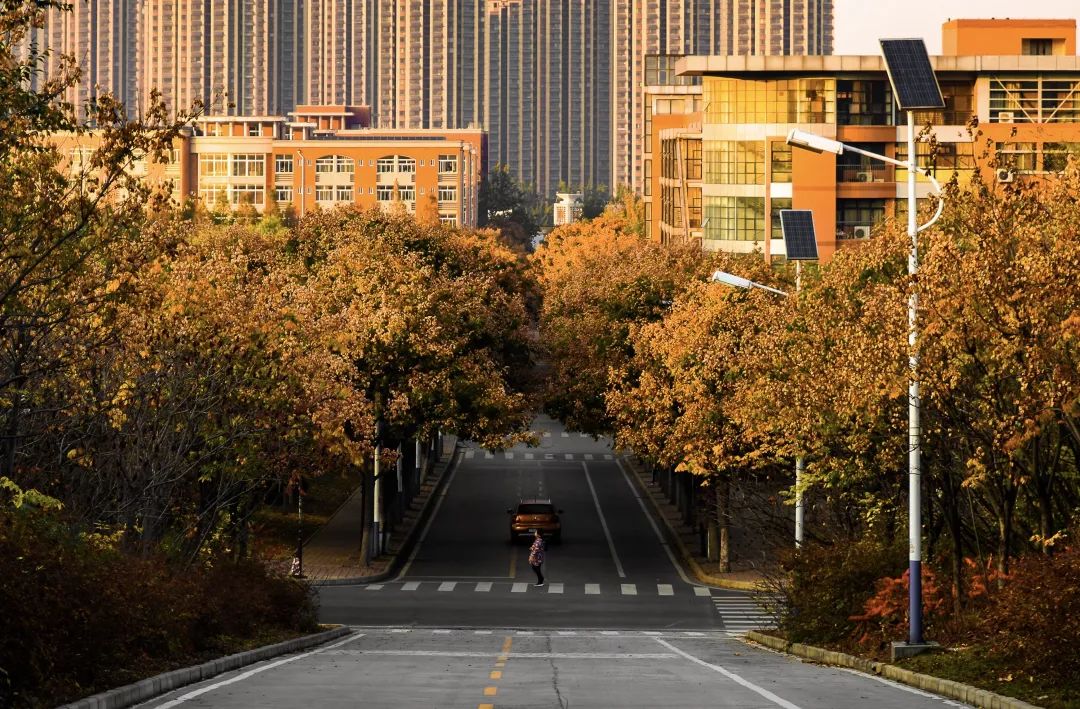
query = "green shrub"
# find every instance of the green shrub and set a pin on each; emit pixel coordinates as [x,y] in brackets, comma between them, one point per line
[78,619]
[1033,621]
[824,586]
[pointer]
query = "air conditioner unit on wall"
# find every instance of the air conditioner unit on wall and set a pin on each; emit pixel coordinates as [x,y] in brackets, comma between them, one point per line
[1006,116]
[864,176]
[1004,174]
[860,232]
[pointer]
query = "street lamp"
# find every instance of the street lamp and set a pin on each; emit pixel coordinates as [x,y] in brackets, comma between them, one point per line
[740,282]
[915,87]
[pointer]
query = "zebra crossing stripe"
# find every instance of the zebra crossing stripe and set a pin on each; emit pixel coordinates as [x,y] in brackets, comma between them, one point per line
[509,455]
[565,434]
[488,455]
[374,587]
[470,453]
[549,456]
[410,586]
[665,589]
[547,434]
[629,589]
[592,589]
[702,591]
[447,585]
[529,456]
[588,456]
[483,586]
[608,456]
[555,588]
[519,588]
[569,456]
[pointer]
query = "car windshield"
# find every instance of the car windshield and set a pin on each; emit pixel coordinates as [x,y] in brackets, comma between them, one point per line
[534,509]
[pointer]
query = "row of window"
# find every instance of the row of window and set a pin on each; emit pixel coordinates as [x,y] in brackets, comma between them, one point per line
[1030,99]
[255,194]
[254,165]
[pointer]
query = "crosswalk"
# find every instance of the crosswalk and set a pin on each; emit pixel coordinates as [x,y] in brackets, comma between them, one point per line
[738,611]
[478,453]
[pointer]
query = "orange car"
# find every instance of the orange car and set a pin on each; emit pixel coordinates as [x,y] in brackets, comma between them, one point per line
[530,515]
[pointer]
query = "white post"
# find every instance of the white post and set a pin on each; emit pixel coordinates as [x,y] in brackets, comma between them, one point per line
[800,463]
[377,517]
[419,464]
[914,460]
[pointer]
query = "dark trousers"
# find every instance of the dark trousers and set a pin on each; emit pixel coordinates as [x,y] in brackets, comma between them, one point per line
[539,574]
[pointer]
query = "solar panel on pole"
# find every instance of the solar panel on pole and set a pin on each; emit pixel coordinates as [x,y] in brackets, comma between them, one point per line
[800,240]
[914,83]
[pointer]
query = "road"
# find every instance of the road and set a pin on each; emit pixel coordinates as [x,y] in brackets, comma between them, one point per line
[618,625]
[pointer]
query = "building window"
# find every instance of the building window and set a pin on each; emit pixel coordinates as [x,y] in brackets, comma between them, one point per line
[734,218]
[247,194]
[1037,47]
[283,194]
[646,171]
[213,194]
[863,103]
[778,203]
[254,130]
[343,193]
[407,193]
[448,163]
[385,165]
[324,193]
[384,193]
[283,164]
[737,101]
[448,219]
[780,161]
[334,163]
[248,165]
[1035,100]
[213,165]
[692,156]
[855,217]
[730,162]
[1056,155]
[406,164]
[447,194]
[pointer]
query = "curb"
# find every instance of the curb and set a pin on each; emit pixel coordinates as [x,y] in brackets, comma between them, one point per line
[410,538]
[943,687]
[151,687]
[685,556]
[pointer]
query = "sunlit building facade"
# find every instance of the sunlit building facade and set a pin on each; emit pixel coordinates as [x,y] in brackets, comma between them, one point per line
[1027,106]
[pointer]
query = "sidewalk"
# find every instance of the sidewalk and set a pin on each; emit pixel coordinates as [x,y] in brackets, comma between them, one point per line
[332,554]
[744,576]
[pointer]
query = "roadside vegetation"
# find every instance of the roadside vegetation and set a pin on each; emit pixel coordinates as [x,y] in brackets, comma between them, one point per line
[730,386]
[168,373]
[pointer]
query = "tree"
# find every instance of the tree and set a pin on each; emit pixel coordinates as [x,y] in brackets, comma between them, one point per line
[511,207]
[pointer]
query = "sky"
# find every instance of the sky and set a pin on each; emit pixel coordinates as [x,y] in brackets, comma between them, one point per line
[860,23]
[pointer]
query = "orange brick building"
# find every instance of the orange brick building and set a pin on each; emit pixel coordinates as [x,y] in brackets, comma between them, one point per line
[720,174]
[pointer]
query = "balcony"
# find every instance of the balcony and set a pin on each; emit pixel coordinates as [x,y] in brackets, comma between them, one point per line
[865,173]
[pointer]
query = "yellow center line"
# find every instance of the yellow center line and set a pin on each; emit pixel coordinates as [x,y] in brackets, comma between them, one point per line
[486,706]
[496,674]
[506,646]
[490,691]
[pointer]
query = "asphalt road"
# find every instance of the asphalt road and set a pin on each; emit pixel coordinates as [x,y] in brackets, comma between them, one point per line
[618,625]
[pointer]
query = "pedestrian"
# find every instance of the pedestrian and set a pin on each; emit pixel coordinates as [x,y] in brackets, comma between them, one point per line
[536,558]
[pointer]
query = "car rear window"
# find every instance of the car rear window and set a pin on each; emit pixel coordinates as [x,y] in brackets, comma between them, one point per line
[535,509]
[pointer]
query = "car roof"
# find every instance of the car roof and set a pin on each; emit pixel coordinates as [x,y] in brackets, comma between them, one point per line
[532,501]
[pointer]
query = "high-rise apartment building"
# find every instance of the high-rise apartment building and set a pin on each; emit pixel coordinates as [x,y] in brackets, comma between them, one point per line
[101,35]
[558,85]
[679,27]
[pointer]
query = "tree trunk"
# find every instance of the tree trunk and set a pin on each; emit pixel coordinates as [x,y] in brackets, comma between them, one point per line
[723,521]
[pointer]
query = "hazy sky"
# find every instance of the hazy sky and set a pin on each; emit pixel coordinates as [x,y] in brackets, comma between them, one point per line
[860,23]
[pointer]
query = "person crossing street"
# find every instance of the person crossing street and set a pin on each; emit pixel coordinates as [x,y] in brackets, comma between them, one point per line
[536,557]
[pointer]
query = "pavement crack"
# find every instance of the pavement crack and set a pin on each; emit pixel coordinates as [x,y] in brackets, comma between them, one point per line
[563,704]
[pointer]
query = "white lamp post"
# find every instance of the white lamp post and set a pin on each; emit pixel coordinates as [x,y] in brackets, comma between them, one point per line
[820,144]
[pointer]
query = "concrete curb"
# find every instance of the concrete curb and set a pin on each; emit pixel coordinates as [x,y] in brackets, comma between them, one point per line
[943,687]
[410,538]
[685,556]
[161,684]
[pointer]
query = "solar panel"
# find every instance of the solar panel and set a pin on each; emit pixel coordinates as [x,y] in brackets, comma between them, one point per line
[913,81]
[800,242]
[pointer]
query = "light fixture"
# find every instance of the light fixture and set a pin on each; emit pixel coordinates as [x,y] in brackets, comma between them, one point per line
[814,142]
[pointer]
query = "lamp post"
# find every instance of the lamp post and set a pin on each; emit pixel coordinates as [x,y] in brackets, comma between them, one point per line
[800,466]
[820,144]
